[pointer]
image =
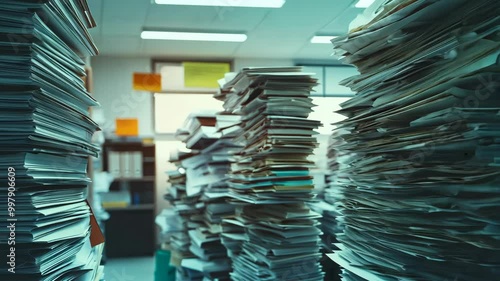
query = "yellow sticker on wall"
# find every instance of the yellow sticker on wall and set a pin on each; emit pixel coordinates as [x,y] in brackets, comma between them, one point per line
[204,74]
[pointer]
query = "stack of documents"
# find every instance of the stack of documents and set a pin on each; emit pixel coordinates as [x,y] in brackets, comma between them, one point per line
[328,224]
[329,228]
[45,142]
[199,130]
[207,176]
[228,125]
[199,194]
[175,221]
[270,181]
[327,203]
[423,200]
[332,220]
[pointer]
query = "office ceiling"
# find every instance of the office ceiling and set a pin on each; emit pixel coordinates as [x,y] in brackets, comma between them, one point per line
[272,33]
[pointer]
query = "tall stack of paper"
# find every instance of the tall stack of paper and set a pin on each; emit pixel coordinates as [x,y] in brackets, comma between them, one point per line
[175,221]
[199,196]
[207,175]
[199,130]
[326,203]
[232,227]
[270,181]
[45,141]
[337,159]
[423,199]
[331,221]
[329,227]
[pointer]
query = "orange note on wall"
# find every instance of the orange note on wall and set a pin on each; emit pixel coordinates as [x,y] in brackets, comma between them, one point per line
[147,82]
[127,127]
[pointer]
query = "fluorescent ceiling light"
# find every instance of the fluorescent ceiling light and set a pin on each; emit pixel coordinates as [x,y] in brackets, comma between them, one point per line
[362,3]
[322,39]
[193,36]
[226,3]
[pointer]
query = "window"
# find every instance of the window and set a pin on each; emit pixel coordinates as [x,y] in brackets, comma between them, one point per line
[329,78]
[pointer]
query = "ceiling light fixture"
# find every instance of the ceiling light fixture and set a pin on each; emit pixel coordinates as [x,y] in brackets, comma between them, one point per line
[322,39]
[364,3]
[193,36]
[226,3]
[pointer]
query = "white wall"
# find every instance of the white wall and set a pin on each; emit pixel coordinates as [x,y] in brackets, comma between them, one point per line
[113,89]
[171,110]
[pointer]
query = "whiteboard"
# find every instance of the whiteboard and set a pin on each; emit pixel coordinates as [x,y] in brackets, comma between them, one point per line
[171,110]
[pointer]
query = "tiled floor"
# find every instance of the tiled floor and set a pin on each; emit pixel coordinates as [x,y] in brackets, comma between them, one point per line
[129,269]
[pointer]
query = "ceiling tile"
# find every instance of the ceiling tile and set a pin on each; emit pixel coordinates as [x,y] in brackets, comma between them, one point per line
[204,18]
[124,18]
[316,51]
[274,48]
[299,14]
[341,24]
[119,45]
[188,48]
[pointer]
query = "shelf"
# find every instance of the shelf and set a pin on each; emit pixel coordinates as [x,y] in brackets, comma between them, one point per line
[124,141]
[145,178]
[133,208]
[148,160]
[188,91]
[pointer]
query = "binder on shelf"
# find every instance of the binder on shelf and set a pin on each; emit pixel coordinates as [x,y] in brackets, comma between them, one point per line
[137,164]
[114,164]
[125,165]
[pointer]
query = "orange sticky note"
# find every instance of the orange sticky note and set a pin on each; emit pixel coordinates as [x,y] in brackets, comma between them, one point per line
[147,82]
[127,127]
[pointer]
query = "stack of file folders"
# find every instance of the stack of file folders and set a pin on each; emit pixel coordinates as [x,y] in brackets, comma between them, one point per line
[199,130]
[176,220]
[331,221]
[328,226]
[45,141]
[232,226]
[206,176]
[270,181]
[423,199]
[326,201]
